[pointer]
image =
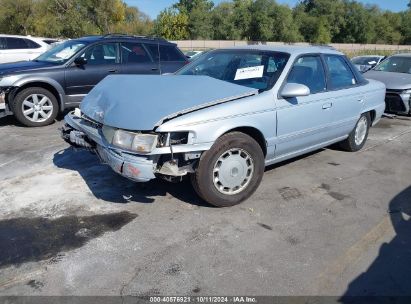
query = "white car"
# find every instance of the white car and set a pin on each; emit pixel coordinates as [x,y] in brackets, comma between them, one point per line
[22,48]
[367,62]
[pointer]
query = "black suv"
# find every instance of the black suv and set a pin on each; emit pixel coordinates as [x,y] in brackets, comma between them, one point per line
[35,91]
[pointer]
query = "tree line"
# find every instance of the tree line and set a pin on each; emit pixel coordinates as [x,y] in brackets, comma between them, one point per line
[315,21]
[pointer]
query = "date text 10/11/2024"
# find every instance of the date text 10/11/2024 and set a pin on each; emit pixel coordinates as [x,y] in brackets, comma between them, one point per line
[203,299]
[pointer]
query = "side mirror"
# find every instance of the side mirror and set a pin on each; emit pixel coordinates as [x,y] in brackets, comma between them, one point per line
[291,90]
[80,61]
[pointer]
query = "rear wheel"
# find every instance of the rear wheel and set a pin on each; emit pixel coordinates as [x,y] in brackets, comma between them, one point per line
[230,171]
[35,107]
[357,138]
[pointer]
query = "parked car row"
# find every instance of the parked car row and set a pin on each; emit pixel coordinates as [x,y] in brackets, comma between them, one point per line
[36,91]
[395,73]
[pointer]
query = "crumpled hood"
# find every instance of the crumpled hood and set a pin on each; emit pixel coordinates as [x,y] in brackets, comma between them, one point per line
[393,81]
[142,102]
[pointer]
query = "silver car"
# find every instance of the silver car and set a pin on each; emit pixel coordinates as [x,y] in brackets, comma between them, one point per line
[395,73]
[227,115]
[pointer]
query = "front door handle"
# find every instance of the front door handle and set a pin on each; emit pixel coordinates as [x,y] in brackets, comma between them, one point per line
[113,71]
[154,69]
[327,106]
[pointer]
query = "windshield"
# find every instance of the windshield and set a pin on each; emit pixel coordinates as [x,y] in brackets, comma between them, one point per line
[365,60]
[396,64]
[61,52]
[251,68]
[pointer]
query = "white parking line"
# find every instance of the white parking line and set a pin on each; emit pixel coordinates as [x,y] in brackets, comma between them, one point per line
[9,162]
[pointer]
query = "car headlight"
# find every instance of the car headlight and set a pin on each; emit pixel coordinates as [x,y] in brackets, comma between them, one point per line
[407,91]
[137,142]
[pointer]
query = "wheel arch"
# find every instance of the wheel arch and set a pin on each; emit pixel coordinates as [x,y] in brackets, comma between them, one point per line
[373,115]
[254,133]
[53,86]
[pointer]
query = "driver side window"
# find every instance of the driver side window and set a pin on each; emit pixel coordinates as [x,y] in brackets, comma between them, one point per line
[101,54]
[309,71]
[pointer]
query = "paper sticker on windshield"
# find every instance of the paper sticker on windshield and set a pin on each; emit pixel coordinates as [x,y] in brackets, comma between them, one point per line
[250,72]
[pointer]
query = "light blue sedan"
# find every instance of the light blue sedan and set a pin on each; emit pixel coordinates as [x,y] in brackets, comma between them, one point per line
[227,115]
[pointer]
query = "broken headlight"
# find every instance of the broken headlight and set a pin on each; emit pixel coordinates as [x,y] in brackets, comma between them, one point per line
[136,142]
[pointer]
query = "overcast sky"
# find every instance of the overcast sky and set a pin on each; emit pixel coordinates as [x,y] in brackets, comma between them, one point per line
[153,7]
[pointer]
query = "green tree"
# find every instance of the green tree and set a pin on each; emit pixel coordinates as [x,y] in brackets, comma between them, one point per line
[135,22]
[406,27]
[223,22]
[199,16]
[16,16]
[358,26]
[270,21]
[330,11]
[242,17]
[105,14]
[172,24]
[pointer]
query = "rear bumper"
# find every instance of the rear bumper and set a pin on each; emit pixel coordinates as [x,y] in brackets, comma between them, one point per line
[136,168]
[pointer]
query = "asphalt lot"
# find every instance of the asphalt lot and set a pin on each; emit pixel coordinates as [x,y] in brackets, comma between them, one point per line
[330,223]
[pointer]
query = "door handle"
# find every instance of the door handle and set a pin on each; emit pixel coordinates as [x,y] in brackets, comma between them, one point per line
[361,100]
[113,71]
[327,106]
[154,69]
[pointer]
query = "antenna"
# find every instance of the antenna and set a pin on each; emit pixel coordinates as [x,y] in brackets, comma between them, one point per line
[159,56]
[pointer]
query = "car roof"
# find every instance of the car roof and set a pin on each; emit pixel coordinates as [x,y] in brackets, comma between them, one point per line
[122,37]
[291,49]
[369,56]
[21,36]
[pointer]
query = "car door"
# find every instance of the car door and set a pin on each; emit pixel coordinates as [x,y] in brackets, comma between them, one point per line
[348,95]
[102,60]
[136,59]
[170,57]
[302,122]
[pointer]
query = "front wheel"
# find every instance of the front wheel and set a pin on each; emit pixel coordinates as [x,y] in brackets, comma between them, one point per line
[357,138]
[35,107]
[230,171]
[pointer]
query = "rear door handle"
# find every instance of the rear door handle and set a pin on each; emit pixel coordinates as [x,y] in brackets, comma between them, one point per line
[327,106]
[154,69]
[113,71]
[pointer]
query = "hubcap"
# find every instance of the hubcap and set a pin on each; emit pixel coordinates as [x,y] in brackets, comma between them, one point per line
[361,131]
[233,171]
[37,107]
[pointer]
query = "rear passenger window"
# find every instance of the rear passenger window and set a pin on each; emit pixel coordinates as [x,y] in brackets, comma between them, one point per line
[309,71]
[134,53]
[339,72]
[31,44]
[167,52]
[16,43]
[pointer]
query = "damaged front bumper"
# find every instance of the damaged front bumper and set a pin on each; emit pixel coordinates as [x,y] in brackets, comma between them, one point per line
[4,109]
[84,133]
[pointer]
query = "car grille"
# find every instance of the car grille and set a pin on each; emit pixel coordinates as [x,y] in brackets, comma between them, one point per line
[394,102]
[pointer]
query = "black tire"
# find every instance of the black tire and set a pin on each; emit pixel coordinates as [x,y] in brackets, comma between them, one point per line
[18,107]
[203,178]
[350,144]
